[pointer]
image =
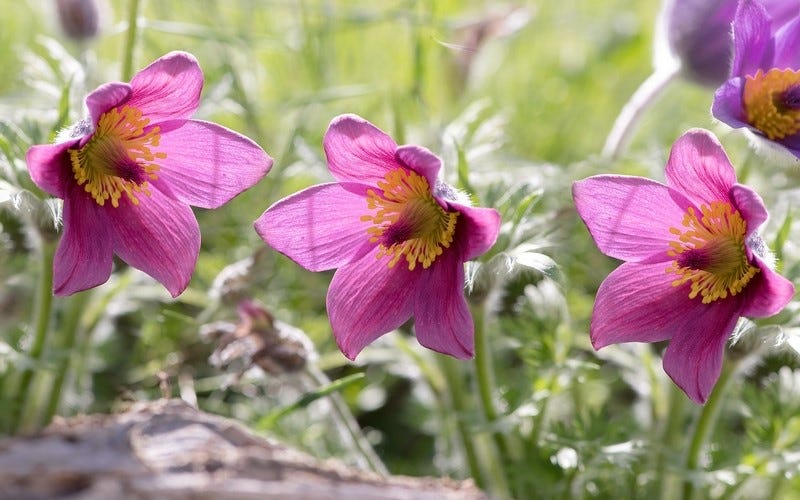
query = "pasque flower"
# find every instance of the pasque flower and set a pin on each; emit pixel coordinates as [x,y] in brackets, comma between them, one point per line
[763,92]
[699,34]
[398,235]
[694,262]
[128,173]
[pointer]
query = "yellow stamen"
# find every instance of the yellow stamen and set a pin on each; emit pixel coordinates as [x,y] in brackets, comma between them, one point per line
[118,158]
[764,102]
[407,220]
[711,252]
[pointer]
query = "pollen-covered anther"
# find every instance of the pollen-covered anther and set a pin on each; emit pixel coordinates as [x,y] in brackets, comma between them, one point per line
[407,220]
[710,252]
[771,102]
[119,158]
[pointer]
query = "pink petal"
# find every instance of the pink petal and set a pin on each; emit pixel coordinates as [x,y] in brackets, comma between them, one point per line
[629,217]
[637,303]
[367,299]
[358,151]
[207,164]
[442,320]
[767,294]
[693,358]
[169,88]
[476,230]
[50,167]
[105,97]
[320,228]
[750,206]
[159,236]
[421,161]
[85,253]
[699,168]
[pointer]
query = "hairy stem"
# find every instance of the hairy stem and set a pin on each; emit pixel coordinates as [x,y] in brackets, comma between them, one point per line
[41,321]
[68,332]
[484,374]
[455,391]
[130,39]
[703,429]
[625,124]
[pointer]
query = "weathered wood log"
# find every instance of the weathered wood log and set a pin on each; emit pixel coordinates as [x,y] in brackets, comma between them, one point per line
[169,450]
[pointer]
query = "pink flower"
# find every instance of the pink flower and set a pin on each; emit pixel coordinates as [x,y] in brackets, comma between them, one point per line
[128,173]
[693,260]
[396,234]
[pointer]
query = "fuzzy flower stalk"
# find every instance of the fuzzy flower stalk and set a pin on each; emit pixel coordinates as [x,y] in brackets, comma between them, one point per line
[693,42]
[693,260]
[396,234]
[762,94]
[130,171]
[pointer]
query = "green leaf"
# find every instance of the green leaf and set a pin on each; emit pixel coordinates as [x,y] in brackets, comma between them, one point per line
[268,421]
[538,262]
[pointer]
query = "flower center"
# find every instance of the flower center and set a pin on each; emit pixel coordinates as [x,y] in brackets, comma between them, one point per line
[711,253]
[408,220]
[772,102]
[118,158]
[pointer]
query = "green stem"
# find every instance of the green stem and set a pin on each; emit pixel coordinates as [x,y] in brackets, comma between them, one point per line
[455,386]
[644,97]
[671,437]
[68,331]
[484,374]
[130,40]
[41,321]
[703,429]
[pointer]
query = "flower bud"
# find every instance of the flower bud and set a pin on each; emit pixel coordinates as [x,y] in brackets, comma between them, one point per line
[78,18]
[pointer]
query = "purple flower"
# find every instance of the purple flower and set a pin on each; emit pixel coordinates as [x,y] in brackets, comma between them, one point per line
[128,173]
[396,234]
[698,32]
[763,92]
[694,262]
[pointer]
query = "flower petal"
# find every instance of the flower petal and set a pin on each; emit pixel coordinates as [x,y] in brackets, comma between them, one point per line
[367,299]
[358,151]
[476,229]
[767,294]
[105,97]
[727,106]
[693,359]
[787,45]
[320,228]
[85,254]
[49,166]
[699,168]
[750,205]
[629,217]
[637,303]
[159,236]
[421,161]
[442,320]
[169,88]
[207,164]
[752,44]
